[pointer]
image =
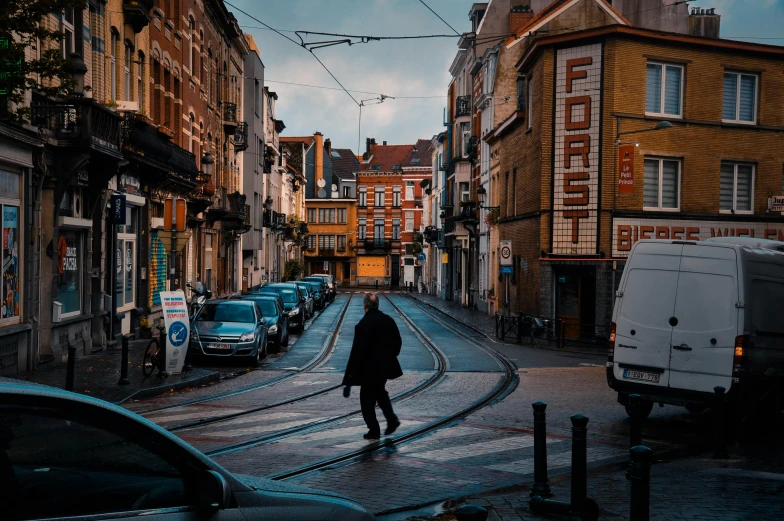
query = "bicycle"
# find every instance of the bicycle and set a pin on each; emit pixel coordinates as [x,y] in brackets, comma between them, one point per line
[538,329]
[152,355]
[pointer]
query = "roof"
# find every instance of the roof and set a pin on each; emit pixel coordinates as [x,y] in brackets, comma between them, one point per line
[386,157]
[421,155]
[344,163]
[307,140]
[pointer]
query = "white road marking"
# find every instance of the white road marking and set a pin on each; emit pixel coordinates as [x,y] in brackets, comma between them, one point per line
[262,417]
[564,459]
[258,429]
[203,413]
[479,448]
[591,365]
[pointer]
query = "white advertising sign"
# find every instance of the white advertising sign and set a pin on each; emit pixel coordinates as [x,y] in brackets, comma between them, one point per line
[505,252]
[626,232]
[576,149]
[777,203]
[175,316]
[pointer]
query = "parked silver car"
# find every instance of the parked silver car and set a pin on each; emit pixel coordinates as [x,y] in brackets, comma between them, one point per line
[229,328]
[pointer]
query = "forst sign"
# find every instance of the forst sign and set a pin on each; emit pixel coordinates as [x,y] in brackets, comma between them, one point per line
[576,150]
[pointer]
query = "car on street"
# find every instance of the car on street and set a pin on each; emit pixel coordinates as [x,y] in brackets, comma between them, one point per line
[71,456]
[307,294]
[271,307]
[331,287]
[323,282]
[229,328]
[319,295]
[292,302]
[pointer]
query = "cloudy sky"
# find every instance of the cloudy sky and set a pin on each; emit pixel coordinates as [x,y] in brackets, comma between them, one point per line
[403,69]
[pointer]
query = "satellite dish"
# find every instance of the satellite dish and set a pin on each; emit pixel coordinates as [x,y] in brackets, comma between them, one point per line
[322,193]
[321,183]
[334,188]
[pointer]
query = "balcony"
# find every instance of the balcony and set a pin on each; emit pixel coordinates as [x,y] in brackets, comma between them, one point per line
[137,13]
[237,216]
[468,212]
[229,118]
[462,106]
[202,196]
[80,123]
[377,244]
[418,201]
[279,221]
[326,252]
[268,218]
[241,137]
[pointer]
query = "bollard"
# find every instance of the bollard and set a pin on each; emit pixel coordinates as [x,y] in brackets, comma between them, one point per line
[124,363]
[471,513]
[640,473]
[541,486]
[69,374]
[635,421]
[579,464]
[719,424]
[376,284]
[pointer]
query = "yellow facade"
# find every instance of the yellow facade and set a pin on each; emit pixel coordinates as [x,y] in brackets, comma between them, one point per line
[330,246]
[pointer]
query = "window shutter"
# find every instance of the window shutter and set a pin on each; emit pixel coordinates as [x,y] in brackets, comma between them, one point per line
[651,184]
[728,111]
[727,183]
[669,184]
[743,198]
[653,89]
[672,91]
[747,94]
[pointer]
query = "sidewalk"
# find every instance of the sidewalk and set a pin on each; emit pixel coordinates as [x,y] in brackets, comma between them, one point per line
[750,486]
[98,375]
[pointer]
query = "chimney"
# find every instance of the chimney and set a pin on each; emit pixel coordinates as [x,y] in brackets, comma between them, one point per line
[705,23]
[385,143]
[519,16]
[328,145]
[370,143]
[318,159]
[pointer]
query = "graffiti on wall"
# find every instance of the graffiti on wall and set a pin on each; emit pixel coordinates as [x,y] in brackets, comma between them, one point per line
[157,269]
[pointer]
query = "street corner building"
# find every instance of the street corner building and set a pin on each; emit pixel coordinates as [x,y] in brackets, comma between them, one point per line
[601,124]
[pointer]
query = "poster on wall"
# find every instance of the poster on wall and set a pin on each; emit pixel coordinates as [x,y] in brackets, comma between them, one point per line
[175,317]
[10,306]
[578,95]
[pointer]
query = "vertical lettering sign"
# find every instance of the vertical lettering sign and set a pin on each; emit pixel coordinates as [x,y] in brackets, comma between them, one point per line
[626,169]
[577,141]
[118,209]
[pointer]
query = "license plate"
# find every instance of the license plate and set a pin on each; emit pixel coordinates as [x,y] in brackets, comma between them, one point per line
[220,346]
[641,375]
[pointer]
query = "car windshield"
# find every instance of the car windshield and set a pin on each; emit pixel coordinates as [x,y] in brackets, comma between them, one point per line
[267,307]
[288,295]
[303,291]
[226,312]
[316,286]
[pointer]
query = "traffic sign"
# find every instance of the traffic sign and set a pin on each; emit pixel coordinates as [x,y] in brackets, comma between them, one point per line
[505,249]
[507,269]
[421,256]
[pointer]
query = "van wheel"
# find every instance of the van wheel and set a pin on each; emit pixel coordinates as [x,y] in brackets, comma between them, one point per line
[696,408]
[645,409]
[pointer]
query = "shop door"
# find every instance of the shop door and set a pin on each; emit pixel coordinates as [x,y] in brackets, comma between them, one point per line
[395,274]
[568,304]
[346,272]
[245,275]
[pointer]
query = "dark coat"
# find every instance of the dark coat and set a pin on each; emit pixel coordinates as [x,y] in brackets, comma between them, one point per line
[374,353]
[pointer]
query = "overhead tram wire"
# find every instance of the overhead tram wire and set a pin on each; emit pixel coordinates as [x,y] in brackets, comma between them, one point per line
[439,17]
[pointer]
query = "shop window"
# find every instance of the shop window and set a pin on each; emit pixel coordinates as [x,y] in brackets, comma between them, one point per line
[69,280]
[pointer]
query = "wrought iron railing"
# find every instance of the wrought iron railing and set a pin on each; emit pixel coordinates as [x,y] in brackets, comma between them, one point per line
[241,137]
[463,106]
[280,221]
[418,201]
[378,244]
[205,188]
[229,112]
[85,121]
[59,118]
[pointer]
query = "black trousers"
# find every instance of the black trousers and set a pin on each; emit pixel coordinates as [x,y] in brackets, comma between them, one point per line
[369,395]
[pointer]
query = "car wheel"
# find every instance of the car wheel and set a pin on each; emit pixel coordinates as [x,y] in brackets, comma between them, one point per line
[645,409]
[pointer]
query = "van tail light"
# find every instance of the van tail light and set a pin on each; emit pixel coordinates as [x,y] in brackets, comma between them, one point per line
[611,353]
[739,360]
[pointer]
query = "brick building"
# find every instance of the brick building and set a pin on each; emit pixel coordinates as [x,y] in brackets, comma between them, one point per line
[591,96]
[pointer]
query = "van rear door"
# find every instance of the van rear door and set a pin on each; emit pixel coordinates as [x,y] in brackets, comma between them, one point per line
[642,314]
[703,340]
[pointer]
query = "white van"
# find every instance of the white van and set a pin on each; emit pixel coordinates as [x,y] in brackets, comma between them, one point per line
[690,316]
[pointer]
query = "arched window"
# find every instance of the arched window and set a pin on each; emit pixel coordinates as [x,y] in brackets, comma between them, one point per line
[209,72]
[113,73]
[192,24]
[190,130]
[140,81]
[127,71]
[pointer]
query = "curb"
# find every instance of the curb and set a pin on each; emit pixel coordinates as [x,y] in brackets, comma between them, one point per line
[149,392]
[573,349]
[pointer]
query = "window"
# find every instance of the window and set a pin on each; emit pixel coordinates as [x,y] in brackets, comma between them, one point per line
[521,92]
[737,188]
[192,30]
[341,243]
[409,190]
[69,279]
[409,220]
[465,193]
[46,444]
[257,97]
[664,90]
[11,249]
[740,98]
[363,196]
[661,190]
[362,229]
[311,215]
[190,129]
[310,242]
[530,93]
[396,196]
[335,154]
[326,215]
[378,230]
[346,192]
[69,40]
[414,160]
[396,229]
[342,215]
[139,82]
[375,167]
[326,242]
[126,261]
[113,66]
[378,195]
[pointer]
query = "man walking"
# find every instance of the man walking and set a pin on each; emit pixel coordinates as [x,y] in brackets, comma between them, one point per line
[372,362]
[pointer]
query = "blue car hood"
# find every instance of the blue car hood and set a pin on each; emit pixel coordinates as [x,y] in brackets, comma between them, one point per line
[222,328]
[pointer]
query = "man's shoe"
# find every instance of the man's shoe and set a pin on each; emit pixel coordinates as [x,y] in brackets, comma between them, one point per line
[372,435]
[392,426]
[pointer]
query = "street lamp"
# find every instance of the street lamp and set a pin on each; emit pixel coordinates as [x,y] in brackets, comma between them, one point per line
[206,163]
[268,203]
[481,194]
[78,71]
[661,125]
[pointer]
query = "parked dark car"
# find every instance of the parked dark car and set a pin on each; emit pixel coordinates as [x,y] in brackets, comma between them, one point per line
[71,456]
[229,328]
[323,282]
[330,280]
[277,319]
[292,302]
[319,296]
[260,291]
[310,299]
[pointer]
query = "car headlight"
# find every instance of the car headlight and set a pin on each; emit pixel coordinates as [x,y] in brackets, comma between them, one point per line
[194,335]
[294,312]
[247,337]
[272,330]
